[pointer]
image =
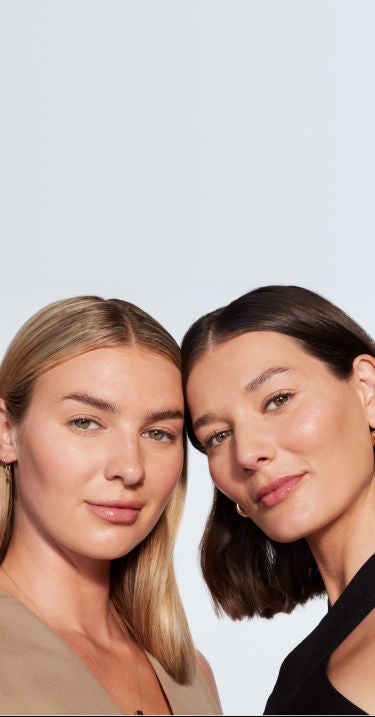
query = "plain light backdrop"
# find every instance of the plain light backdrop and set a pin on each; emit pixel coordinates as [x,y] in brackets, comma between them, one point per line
[178,153]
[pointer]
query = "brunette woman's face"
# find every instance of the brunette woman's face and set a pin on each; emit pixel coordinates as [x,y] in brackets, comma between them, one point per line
[285,439]
[99,451]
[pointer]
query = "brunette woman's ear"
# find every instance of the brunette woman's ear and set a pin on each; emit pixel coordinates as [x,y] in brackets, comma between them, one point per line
[7,446]
[364,372]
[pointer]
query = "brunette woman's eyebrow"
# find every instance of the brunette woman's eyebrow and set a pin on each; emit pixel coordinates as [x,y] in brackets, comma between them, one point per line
[264,376]
[250,387]
[94,401]
[204,420]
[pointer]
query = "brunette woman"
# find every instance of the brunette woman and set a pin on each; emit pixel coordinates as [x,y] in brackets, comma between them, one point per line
[280,386]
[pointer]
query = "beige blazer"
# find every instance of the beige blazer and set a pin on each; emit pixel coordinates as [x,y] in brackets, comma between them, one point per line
[41,675]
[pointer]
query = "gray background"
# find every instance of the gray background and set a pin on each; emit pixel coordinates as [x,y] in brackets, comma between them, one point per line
[177,154]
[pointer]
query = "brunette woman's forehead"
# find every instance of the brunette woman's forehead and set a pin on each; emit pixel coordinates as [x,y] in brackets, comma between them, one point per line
[213,346]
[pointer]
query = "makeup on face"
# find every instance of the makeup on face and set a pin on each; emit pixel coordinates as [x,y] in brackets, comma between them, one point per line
[100,450]
[282,434]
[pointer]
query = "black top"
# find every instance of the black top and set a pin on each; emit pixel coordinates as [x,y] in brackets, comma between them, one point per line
[302,687]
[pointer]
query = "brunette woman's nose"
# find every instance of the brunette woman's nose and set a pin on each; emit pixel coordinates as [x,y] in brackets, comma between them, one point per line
[252,449]
[125,462]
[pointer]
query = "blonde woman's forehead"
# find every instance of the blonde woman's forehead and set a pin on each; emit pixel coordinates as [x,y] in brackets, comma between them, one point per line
[116,371]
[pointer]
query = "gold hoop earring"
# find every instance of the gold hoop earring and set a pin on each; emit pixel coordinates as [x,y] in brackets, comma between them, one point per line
[8,471]
[241,512]
[373,437]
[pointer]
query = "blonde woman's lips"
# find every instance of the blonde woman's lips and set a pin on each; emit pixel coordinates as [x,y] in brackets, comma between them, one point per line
[116,511]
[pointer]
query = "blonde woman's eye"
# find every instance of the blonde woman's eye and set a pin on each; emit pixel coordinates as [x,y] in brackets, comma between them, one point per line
[84,424]
[215,439]
[156,434]
[278,400]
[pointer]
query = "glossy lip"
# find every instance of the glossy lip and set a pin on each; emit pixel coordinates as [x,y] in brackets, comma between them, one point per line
[280,487]
[116,511]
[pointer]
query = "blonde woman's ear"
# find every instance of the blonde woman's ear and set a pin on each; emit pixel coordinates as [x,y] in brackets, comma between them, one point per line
[7,445]
[364,373]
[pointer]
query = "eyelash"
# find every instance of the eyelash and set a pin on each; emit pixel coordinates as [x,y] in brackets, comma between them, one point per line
[287,394]
[84,419]
[166,434]
[228,432]
[208,441]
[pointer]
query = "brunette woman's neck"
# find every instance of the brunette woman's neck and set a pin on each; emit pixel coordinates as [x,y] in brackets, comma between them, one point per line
[340,557]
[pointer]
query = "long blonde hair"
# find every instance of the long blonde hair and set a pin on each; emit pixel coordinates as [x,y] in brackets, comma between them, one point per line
[143,584]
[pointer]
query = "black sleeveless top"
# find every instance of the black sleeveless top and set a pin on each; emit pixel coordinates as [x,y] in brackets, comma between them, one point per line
[302,687]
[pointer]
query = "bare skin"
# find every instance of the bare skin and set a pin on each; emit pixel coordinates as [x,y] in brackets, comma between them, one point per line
[291,444]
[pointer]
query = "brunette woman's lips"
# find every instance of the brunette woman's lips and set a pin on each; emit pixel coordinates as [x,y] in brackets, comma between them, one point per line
[116,511]
[277,490]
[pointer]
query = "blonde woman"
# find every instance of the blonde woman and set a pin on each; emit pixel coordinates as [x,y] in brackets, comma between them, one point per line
[91,490]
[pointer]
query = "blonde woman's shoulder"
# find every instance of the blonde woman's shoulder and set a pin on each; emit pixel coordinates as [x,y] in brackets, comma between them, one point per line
[209,677]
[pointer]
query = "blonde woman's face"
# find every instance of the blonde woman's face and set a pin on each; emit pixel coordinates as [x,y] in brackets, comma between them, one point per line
[285,439]
[99,451]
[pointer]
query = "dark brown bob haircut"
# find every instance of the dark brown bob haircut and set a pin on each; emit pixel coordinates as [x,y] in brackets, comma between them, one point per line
[246,572]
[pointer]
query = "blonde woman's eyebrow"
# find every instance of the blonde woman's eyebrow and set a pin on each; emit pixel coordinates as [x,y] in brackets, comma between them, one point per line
[89,400]
[164,414]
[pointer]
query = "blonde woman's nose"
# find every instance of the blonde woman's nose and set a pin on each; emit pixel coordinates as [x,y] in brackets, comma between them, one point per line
[125,462]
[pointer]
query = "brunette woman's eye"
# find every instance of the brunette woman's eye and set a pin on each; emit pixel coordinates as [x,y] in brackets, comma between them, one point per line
[278,400]
[216,438]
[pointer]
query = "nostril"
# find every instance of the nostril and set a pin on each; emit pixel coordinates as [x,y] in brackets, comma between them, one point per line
[129,475]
